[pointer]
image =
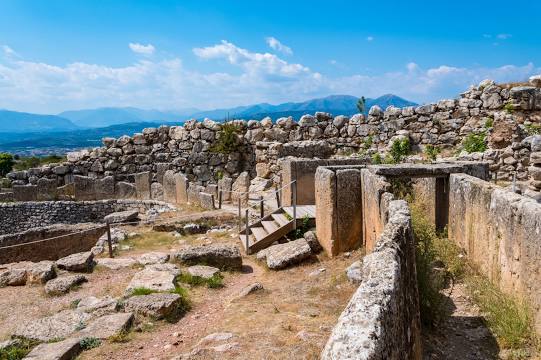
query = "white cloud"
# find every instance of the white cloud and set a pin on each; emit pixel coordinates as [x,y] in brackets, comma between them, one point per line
[504,36]
[370,38]
[251,62]
[9,51]
[275,44]
[35,86]
[142,49]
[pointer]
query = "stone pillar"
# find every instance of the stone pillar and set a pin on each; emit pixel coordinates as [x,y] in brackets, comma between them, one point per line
[338,209]
[142,185]
[169,187]
[181,188]
[46,189]
[105,188]
[441,203]
[25,192]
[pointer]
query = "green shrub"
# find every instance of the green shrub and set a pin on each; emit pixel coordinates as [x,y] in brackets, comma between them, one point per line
[432,152]
[215,282]
[376,159]
[142,291]
[509,108]
[475,142]
[25,163]
[303,227]
[533,129]
[228,140]
[18,351]
[6,164]
[88,343]
[183,306]
[489,122]
[400,149]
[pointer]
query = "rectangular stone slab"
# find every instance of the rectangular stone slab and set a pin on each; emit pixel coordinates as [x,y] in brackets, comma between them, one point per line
[142,185]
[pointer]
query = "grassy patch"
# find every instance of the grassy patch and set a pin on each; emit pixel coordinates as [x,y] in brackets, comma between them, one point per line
[399,150]
[509,318]
[216,281]
[150,241]
[142,291]
[228,139]
[183,307]
[475,142]
[88,343]
[18,351]
[432,152]
[121,337]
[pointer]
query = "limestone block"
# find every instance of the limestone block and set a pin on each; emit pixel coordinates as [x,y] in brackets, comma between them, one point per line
[181,188]
[85,188]
[105,188]
[46,189]
[124,190]
[157,306]
[226,185]
[142,185]
[25,192]
[207,201]
[156,191]
[222,256]
[61,350]
[193,194]
[169,187]
[326,214]
[108,325]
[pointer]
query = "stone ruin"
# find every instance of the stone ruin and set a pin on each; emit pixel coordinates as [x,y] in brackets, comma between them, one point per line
[498,228]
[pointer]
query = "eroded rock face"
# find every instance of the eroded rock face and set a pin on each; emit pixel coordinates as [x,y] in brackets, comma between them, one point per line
[283,255]
[122,217]
[222,256]
[64,284]
[157,306]
[80,262]
[153,258]
[97,306]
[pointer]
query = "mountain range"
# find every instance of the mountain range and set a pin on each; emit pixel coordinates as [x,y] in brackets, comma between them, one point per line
[33,134]
[19,122]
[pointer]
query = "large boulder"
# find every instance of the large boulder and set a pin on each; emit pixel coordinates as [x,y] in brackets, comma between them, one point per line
[283,255]
[80,262]
[64,284]
[157,306]
[222,256]
[57,326]
[152,278]
[12,277]
[97,306]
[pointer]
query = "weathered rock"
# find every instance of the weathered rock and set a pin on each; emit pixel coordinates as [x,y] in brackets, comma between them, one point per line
[283,255]
[108,325]
[116,263]
[311,239]
[158,306]
[153,258]
[40,272]
[354,272]
[142,185]
[12,277]
[222,256]
[156,191]
[122,217]
[97,306]
[202,271]
[62,285]
[80,262]
[63,350]
[150,278]
[58,326]
[247,290]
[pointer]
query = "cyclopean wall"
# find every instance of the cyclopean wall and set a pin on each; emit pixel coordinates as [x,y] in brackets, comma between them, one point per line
[188,148]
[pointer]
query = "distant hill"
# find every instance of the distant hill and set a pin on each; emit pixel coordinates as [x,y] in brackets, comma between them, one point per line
[334,104]
[20,122]
[102,117]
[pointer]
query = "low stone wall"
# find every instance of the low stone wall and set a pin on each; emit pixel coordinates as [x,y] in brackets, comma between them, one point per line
[68,239]
[382,318]
[501,233]
[21,216]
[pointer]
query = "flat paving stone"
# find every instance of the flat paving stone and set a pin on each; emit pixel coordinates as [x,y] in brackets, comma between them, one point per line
[153,280]
[64,284]
[108,325]
[157,306]
[80,262]
[58,326]
[115,263]
[153,258]
[63,350]
[202,271]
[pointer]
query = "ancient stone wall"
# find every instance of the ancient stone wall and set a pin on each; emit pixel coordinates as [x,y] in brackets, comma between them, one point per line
[501,233]
[21,216]
[506,115]
[68,239]
[382,319]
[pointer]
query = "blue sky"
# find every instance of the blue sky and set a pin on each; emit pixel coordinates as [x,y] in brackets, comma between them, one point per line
[62,55]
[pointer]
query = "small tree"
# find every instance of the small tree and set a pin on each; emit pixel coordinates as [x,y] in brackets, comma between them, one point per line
[6,164]
[361,104]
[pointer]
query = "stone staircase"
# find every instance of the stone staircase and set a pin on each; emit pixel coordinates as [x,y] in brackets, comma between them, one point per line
[273,227]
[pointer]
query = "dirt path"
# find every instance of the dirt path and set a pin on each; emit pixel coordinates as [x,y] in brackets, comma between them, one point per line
[464,335]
